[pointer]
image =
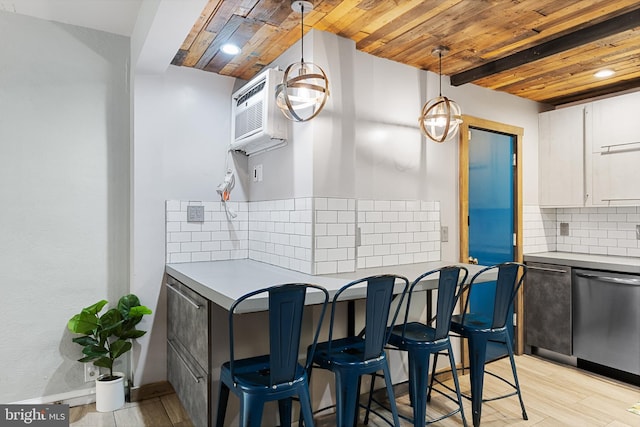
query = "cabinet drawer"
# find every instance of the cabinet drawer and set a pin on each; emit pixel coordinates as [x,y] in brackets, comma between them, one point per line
[547,307]
[188,321]
[190,382]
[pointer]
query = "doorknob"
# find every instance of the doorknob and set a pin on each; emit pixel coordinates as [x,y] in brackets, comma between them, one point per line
[473,260]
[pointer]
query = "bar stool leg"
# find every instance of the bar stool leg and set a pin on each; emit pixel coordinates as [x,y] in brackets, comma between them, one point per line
[418,383]
[478,356]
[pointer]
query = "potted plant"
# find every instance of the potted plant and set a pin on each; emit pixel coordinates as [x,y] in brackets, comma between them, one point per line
[105,338]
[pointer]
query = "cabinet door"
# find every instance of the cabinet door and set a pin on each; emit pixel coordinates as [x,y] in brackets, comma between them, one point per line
[561,157]
[188,321]
[615,122]
[615,176]
[547,307]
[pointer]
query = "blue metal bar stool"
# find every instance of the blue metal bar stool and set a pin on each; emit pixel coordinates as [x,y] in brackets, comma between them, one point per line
[277,375]
[479,329]
[351,357]
[422,340]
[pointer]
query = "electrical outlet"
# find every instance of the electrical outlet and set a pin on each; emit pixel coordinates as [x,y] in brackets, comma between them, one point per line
[195,213]
[91,372]
[564,228]
[638,231]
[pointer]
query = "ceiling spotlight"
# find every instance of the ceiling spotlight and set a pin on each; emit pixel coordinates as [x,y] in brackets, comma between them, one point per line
[230,49]
[604,73]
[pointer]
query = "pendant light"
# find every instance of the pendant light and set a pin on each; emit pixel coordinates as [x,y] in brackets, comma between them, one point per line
[305,88]
[441,116]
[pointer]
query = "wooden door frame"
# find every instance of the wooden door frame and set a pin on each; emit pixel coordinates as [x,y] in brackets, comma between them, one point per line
[463,171]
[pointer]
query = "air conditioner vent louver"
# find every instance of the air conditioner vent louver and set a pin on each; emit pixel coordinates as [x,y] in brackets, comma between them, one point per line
[249,120]
[257,123]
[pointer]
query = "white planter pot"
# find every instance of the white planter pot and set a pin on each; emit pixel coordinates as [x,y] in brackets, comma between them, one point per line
[110,394]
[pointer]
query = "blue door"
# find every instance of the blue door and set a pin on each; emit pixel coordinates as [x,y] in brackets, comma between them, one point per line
[491,211]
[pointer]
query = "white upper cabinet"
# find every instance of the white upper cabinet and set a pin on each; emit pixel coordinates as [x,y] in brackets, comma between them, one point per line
[616,123]
[615,158]
[589,155]
[561,157]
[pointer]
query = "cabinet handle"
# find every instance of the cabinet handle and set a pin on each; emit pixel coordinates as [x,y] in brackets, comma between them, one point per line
[624,144]
[184,362]
[186,298]
[550,270]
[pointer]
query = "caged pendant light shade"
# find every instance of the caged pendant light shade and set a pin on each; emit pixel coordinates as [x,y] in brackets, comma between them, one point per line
[441,117]
[305,87]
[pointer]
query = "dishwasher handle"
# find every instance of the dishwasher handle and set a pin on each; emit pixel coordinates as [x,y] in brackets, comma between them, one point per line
[547,269]
[608,279]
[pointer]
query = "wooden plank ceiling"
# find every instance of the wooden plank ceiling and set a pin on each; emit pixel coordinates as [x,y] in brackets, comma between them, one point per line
[543,50]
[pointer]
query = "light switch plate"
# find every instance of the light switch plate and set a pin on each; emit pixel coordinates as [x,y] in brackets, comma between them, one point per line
[564,228]
[444,234]
[195,213]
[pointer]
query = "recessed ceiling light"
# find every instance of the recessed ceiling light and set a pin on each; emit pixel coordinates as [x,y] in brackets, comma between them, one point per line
[604,73]
[230,49]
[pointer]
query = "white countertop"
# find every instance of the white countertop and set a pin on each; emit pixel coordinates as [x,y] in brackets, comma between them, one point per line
[224,281]
[595,262]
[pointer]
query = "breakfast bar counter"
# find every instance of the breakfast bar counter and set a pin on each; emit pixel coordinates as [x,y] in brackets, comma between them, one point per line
[198,300]
[222,282]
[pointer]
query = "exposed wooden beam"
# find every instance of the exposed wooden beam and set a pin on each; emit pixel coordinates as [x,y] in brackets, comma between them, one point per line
[572,40]
[595,92]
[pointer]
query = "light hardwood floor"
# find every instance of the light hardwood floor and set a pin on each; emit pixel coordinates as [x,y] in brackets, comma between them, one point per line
[554,395]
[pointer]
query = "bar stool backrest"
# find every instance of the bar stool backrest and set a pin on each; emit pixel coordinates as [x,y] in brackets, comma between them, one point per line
[448,292]
[286,307]
[380,291]
[510,278]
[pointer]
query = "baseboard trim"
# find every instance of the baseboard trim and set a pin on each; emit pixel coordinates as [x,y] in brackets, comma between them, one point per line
[149,391]
[71,398]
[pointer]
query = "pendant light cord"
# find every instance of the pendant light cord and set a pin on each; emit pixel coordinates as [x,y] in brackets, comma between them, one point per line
[440,61]
[302,33]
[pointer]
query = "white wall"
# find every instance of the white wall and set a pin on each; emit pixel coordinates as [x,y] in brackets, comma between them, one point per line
[64,186]
[366,143]
[181,134]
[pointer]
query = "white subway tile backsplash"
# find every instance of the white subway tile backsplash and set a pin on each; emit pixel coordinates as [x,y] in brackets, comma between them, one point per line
[601,230]
[326,217]
[394,229]
[200,256]
[312,235]
[326,242]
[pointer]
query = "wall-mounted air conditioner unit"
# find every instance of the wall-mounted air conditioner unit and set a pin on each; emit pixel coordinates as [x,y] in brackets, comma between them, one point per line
[256,122]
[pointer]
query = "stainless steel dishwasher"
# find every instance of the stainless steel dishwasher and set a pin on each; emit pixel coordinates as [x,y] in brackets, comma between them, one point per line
[606,319]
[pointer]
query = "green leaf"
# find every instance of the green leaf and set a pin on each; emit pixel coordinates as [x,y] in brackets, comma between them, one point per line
[104,362]
[111,319]
[83,323]
[95,308]
[94,350]
[85,340]
[125,304]
[87,359]
[119,347]
[139,311]
[134,333]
